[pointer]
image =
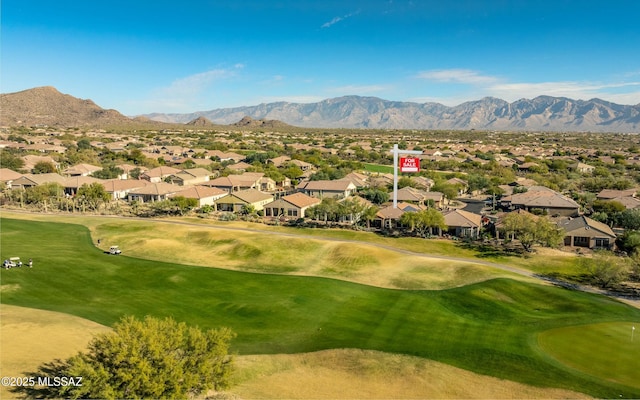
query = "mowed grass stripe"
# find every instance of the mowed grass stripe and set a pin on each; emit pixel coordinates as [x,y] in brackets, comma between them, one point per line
[486,327]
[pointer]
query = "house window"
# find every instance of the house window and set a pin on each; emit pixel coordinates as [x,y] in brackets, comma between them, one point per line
[292,212]
[602,242]
[581,241]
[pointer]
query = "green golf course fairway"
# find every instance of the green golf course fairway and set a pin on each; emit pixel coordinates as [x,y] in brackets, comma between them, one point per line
[604,350]
[490,327]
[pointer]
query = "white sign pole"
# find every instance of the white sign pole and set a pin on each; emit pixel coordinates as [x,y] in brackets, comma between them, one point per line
[395,152]
[395,176]
[633,329]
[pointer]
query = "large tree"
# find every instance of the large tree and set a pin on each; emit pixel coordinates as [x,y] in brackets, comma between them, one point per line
[150,358]
[423,221]
[93,195]
[531,230]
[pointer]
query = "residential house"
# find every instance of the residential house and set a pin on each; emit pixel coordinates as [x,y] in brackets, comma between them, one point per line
[116,147]
[462,185]
[527,166]
[234,202]
[126,170]
[584,168]
[30,161]
[290,206]
[198,162]
[411,207]
[205,195]
[412,195]
[430,154]
[7,176]
[278,161]
[158,174]
[338,189]
[625,197]
[119,189]
[303,165]
[46,148]
[436,197]
[223,156]
[81,170]
[610,194]
[423,183]
[463,223]
[359,180]
[193,176]
[156,191]
[267,184]
[544,200]
[239,167]
[31,180]
[234,183]
[73,183]
[588,233]
[628,202]
[381,180]
[388,217]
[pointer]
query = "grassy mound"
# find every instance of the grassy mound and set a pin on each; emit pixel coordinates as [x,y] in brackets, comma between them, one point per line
[490,327]
[605,350]
[366,374]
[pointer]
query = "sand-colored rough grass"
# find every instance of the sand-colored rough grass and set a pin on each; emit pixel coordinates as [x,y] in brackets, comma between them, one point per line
[285,254]
[32,337]
[267,249]
[361,374]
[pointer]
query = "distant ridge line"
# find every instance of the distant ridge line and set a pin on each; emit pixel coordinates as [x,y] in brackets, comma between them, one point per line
[543,113]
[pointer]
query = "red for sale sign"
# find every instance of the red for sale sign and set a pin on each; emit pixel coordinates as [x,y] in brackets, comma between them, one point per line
[408,164]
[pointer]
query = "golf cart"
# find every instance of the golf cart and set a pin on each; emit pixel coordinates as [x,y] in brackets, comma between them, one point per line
[15,262]
[115,250]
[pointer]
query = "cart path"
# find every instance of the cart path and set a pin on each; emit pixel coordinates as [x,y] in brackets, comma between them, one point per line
[504,267]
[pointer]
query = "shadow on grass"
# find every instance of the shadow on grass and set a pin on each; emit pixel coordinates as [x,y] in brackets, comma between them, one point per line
[45,384]
[493,251]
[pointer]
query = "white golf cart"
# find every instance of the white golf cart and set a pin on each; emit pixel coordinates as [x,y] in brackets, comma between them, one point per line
[115,250]
[12,262]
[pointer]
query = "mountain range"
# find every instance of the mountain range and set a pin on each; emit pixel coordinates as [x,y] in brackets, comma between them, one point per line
[47,106]
[543,113]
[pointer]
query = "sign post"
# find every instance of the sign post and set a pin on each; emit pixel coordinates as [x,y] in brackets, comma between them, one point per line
[408,165]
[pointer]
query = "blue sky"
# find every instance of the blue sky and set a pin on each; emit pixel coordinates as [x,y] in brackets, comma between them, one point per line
[141,56]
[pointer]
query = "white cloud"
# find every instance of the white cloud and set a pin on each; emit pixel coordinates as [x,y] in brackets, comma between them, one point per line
[183,94]
[457,76]
[194,84]
[485,85]
[575,90]
[335,20]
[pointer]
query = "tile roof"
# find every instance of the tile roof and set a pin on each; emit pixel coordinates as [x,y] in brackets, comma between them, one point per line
[571,225]
[252,195]
[201,192]
[540,196]
[462,218]
[301,200]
